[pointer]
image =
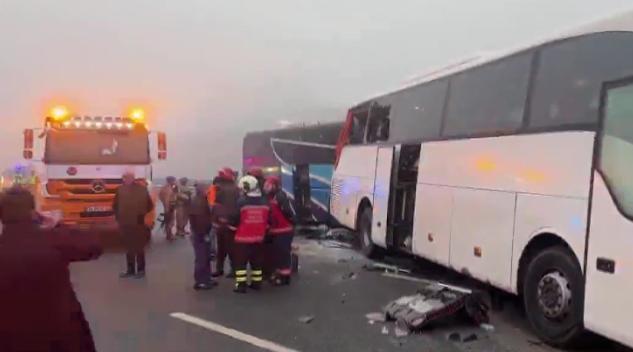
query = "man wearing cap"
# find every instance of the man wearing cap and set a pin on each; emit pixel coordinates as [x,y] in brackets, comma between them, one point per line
[131,203]
[39,308]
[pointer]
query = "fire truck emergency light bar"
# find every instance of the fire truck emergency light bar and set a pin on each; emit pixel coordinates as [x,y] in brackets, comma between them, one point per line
[96,122]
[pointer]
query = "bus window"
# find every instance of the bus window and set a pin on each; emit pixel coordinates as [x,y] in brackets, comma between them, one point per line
[569,79]
[616,153]
[359,123]
[490,98]
[378,129]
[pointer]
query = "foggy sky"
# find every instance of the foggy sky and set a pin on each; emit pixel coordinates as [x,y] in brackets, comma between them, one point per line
[209,71]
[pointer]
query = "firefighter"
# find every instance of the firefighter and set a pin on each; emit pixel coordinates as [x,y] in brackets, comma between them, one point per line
[225,211]
[167,196]
[254,219]
[183,200]
[131,204]
[281,230]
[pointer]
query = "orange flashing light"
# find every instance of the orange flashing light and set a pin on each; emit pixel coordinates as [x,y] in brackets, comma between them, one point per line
[137,115]
[59,113]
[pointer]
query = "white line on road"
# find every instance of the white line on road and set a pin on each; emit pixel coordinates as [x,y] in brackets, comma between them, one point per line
[238,335]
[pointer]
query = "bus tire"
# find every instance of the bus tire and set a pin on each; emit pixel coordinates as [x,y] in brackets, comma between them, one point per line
[367,246]
[553,295]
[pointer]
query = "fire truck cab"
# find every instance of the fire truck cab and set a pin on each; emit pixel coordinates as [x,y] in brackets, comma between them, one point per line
[80,161]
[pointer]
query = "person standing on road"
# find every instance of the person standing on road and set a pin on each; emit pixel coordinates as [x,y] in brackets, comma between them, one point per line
[254,220]
[38,305]
[131,204]
[167,196]
[200,221]
[224,214]
[183,200]
[281,230]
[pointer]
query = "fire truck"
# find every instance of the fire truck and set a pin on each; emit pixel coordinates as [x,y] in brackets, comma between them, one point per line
[79,162]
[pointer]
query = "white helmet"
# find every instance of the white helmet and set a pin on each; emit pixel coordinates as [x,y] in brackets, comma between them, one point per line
[249,185]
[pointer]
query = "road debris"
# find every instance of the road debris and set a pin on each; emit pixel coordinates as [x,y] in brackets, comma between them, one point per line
[376,316]
[349,276]
[431,303]
[401,330]
[487,327]
[385,330]
[470,338]
[387,268]
[306,319]
[454,336]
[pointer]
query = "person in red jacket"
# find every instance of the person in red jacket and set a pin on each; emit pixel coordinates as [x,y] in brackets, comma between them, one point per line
[39,311]
[254,220]
[281,230]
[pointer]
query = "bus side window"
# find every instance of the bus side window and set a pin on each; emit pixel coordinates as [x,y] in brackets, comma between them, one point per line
[378,129]
[358,129]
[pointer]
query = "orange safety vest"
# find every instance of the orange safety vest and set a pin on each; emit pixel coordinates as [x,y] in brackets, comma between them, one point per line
[212,194]
[253,224]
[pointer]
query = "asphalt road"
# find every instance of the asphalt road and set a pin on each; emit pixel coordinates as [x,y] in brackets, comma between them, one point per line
[135,315]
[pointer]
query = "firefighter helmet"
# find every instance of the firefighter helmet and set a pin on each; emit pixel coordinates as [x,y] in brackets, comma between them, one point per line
[227,174]
[249,185]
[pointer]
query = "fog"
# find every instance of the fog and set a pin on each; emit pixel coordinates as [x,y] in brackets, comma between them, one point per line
[209,71]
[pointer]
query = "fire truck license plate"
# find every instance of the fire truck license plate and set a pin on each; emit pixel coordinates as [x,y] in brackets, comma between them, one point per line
[97,209]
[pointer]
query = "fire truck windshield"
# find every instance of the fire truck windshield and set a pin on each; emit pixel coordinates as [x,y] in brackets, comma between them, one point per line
[97,147]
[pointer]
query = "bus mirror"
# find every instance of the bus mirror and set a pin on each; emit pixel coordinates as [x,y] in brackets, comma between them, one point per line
[28,144]
[162,146]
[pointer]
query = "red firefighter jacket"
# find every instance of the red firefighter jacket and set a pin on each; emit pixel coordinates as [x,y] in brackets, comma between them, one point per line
[280,214]
[254,220]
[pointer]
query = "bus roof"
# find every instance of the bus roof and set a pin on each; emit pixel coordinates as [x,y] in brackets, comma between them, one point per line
[622,21]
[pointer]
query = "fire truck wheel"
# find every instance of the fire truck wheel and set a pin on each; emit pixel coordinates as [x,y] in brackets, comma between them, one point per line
[553,295]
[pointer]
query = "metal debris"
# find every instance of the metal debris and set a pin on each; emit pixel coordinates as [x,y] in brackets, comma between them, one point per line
[470,338]
[349,276]
[375,266]
[306,319]
[487,327]
[376,316]
[434,302]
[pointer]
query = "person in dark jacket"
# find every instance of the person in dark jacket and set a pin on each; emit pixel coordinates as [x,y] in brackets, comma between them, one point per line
[200,223]
[281,230]
[131,204]
[224,215]
[254,220]
[39,310]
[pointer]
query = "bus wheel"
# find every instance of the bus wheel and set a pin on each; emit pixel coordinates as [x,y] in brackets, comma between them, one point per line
[553,294]
[367,246]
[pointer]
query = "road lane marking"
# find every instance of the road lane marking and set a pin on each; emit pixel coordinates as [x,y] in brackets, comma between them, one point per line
[238,335]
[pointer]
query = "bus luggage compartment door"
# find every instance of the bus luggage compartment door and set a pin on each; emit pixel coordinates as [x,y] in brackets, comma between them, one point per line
[382,190]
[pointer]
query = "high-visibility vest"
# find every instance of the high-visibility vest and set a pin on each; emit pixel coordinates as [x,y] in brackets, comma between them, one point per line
[212,194]
[253,224]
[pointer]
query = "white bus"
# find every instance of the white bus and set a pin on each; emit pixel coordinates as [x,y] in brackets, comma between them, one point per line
[516,170]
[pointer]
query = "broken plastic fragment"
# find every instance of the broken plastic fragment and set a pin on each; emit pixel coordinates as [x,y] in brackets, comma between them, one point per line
[307,319]
[385,330]
[376,316]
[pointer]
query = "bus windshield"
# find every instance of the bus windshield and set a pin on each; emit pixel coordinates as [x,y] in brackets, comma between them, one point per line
[97,147]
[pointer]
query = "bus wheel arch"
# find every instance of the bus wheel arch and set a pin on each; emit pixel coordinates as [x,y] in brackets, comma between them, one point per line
[551,284]
[363,226]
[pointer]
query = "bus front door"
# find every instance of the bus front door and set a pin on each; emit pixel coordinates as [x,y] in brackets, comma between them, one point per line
[382,189]
[609,266]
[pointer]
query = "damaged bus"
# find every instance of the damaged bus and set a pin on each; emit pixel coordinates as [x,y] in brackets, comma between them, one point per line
[516,170]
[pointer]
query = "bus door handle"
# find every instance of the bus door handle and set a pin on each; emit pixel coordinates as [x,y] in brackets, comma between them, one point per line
[605,265]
